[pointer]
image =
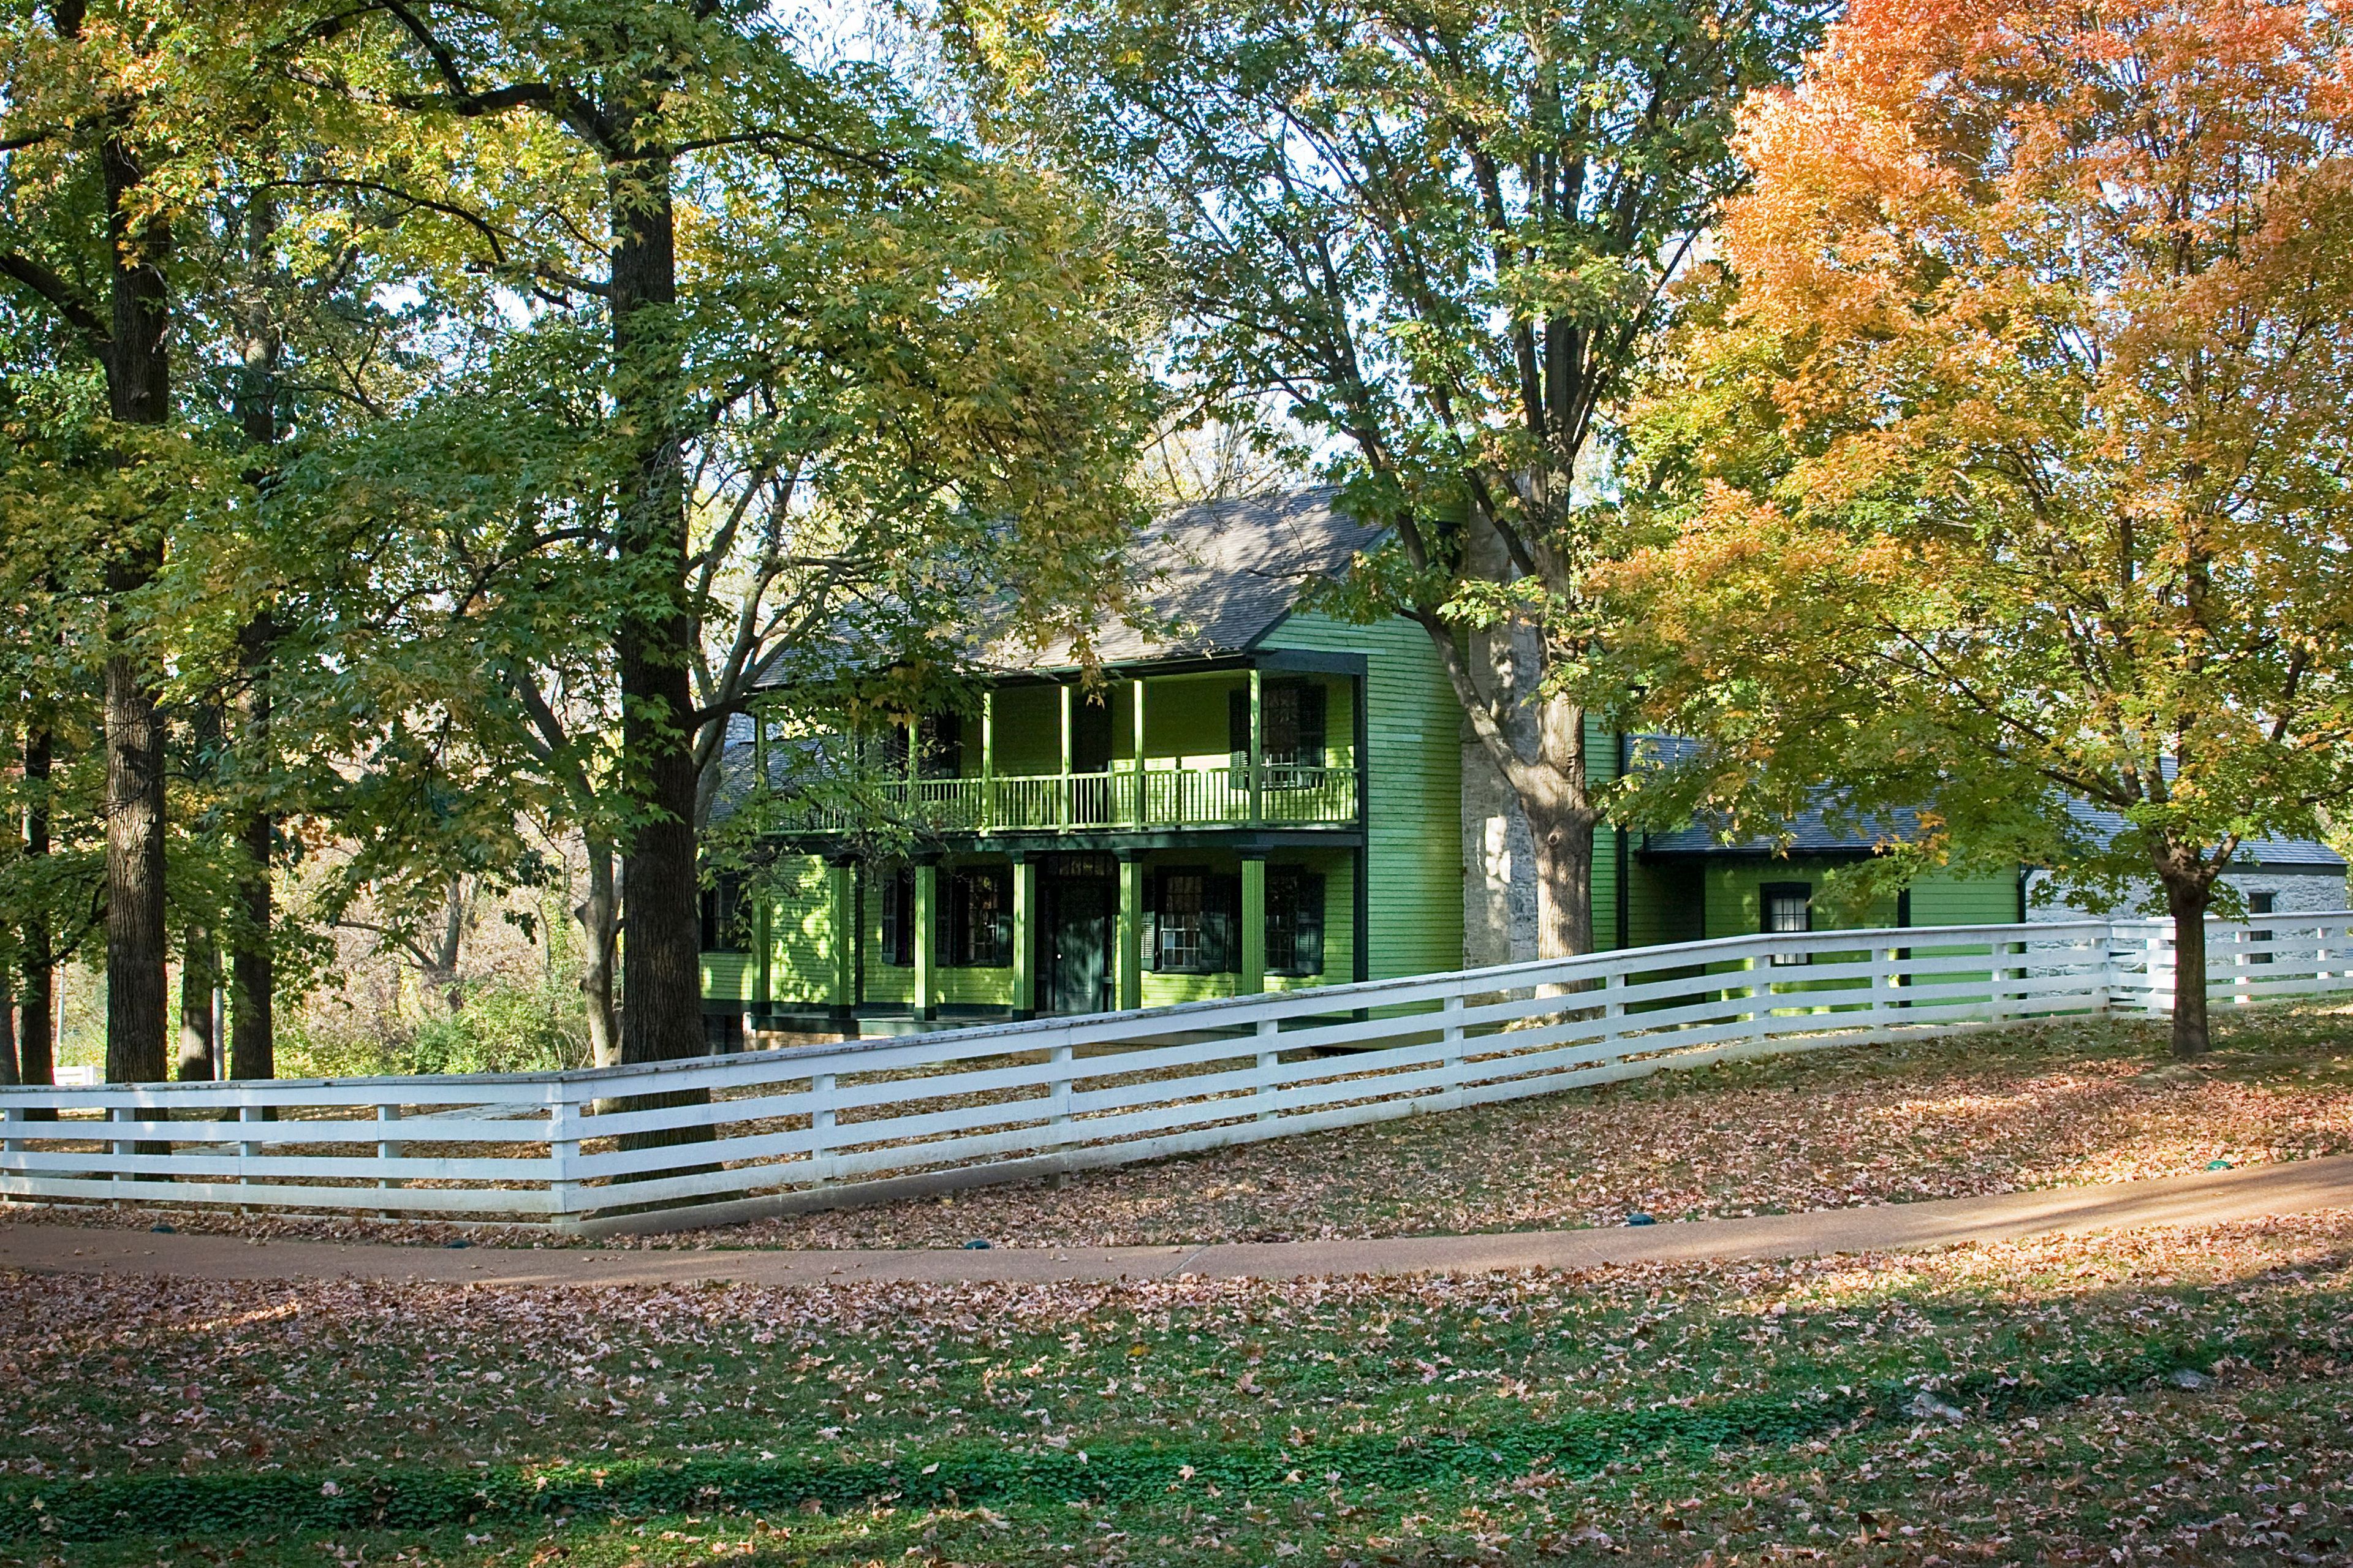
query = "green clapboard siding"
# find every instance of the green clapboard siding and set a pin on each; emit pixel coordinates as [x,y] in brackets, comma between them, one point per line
[1600,767]
[1733,896]
[728,976]
[1942,899]
[800,933]
[1413,728]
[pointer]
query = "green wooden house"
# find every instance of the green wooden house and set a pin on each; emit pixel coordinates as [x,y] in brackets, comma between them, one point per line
[1255,797]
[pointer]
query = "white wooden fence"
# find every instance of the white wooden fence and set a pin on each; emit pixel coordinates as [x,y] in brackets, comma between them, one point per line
[726,1138]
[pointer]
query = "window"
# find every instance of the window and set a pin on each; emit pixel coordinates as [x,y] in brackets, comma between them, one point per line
[1291,731]
[727,915]
[1294,920]
[2261,904]
[1787,906]
[1193,922]
[899,917]
[1091,734]
[976,930]
[939,741]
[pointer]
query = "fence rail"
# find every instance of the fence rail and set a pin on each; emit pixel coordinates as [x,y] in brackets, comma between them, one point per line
[725,1138]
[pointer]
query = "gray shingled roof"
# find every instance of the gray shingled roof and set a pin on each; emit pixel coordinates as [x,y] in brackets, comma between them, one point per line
[1811,833]
[1217,577]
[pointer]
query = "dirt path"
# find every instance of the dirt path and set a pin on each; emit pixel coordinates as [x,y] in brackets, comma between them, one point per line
[2205,1198]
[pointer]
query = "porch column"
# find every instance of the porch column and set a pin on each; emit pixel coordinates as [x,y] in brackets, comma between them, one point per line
[988,758]
[763,935]
[1025,905]
[1128,959]
[927,903]
[1257,749]
[1143,810]
[1254,976]
[1062,783]
[841,919]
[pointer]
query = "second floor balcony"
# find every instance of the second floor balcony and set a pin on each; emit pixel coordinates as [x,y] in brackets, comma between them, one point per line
[1276,795]
[1240,747]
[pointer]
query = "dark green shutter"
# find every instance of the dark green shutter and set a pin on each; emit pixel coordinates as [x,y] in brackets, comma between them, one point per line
[1308,938]
[1221,944]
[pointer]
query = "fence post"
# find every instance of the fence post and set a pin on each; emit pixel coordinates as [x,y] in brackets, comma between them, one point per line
[387,1149]
[1268,1057]
[820,1126]
[247,1149]
[1613,1012]
[1451,1041]
[1058,1097]
[122,1148]
[563,1155]
[1996,982]
[12,1118]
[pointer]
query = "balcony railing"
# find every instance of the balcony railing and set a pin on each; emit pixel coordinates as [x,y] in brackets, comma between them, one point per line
[1286,796]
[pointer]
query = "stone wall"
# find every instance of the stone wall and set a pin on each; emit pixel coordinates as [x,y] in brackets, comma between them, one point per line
[2293,892]
[1499,880]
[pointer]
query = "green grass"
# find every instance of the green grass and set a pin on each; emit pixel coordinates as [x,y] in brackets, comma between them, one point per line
[1674,1411]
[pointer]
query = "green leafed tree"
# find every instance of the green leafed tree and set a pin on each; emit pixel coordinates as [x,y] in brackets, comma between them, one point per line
[702,241]
[1439,236]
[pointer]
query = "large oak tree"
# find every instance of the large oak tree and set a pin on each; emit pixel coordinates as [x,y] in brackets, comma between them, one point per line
[1438,234]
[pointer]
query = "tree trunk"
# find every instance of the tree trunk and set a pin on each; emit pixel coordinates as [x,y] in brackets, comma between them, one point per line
[252,1030]
[139,386]
[199,977]
[1537,745]
[8,1021]
[438,972]
[36,1007]
[253,1041]
[597,915]
[1564,840]
[135,957]
[662,1019]
[2186,899]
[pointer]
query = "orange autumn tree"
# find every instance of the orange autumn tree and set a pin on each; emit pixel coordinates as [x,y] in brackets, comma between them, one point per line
[2013,444]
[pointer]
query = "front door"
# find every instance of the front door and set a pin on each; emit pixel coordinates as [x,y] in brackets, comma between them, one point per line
[1077,967]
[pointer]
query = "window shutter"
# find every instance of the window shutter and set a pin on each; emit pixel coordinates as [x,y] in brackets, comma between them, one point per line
[1310,939]
[1237,725]
[1221,922]
[1151,920]
[1003,877]
[949,922]
[709,919]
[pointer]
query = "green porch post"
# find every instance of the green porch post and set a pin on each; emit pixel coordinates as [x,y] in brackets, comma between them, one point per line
[1142,813]
[988,758]
[1254,976]
[1129,959]
[1025,904]
[927,903]
[1062,783]
[1257,748]
[841,921]
[764,929]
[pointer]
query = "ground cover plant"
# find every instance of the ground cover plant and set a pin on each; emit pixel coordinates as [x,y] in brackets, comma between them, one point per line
[2186,1393]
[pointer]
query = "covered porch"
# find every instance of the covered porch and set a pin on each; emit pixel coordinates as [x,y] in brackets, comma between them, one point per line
[1031,931]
